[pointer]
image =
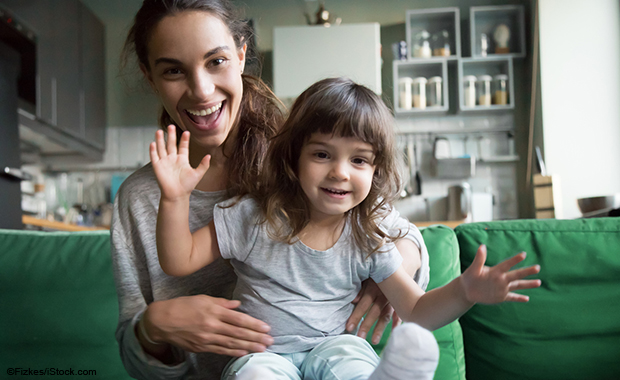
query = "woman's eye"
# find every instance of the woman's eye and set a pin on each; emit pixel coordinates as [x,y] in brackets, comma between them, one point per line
[217,62]
[173,71]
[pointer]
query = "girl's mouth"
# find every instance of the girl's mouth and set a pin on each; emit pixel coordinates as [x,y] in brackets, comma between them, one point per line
[335,192]
[205,118]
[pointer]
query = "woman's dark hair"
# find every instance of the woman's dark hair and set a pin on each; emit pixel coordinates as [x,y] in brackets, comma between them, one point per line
[260,113]
[342,108]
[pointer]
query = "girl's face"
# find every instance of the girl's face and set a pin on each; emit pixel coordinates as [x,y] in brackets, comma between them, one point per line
[335,173]
[195,69]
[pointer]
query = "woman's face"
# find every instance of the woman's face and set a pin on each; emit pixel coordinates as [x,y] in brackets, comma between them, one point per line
[195,69]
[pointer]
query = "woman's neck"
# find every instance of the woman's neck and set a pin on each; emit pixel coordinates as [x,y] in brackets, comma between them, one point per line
[321,233]
[216,177]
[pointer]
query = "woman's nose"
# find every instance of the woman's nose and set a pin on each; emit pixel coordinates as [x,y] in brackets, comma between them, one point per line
[202,85]
[339,171]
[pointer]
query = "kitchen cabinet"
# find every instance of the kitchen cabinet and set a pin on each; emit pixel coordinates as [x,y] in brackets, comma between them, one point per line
[70,93]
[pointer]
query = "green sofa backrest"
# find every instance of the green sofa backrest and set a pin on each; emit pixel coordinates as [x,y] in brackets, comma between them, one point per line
[58,303]
[570,328]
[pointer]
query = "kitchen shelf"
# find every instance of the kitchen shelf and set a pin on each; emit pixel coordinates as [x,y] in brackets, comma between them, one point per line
[498,159]
[486,19]
[490,66]
[426,68]
[433,21]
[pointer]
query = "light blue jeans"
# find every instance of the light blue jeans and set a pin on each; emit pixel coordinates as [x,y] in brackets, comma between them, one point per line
[343,357]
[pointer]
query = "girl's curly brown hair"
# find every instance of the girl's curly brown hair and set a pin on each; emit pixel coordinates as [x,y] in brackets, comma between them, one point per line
[340,107]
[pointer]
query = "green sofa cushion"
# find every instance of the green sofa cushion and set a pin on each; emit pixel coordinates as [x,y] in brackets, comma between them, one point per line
[570,328]
[444,266]
[58,307]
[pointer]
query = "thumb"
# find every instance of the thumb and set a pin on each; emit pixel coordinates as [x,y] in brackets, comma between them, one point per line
[480,258]
[228,304]
[204,165]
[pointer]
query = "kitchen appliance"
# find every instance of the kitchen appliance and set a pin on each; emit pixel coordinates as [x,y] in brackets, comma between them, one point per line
[598,206]
[459,202]
[10,162]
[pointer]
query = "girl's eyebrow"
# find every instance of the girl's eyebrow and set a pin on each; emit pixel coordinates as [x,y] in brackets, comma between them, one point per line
[173,61]
[328,145]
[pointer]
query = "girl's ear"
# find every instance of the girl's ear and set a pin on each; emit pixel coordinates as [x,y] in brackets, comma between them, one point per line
[241,52]
[149,77]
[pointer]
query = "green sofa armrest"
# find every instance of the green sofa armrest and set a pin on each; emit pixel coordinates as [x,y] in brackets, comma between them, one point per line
[570,328]
[444,264]
[58,307]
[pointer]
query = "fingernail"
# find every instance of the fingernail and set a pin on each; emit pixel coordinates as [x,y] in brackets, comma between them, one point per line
[268,341]
[350,327]
[375,340]
[265,328]
[362,334]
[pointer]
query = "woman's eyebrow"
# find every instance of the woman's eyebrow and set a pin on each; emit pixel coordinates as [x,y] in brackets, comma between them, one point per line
[173,61]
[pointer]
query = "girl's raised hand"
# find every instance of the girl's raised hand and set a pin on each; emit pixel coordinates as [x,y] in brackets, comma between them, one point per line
[175,175]
[488,285]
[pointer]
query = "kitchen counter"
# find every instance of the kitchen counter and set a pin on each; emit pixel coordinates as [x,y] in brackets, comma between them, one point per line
[59,226]
[450,223]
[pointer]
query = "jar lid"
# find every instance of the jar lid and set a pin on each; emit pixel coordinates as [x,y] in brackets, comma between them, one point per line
[501,77]
[405,80]
[469,78]
[420,80]
[435,79]
[484,78]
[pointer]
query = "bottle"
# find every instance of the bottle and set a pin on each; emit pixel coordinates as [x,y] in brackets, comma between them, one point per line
[469,90]
[39,196]
[404,93]
[421,45]
[484,45]
[441,44]
[500,89]
[484,90]
[419,92]
[435,87]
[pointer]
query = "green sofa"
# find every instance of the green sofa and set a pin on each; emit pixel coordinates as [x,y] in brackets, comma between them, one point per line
[58,307]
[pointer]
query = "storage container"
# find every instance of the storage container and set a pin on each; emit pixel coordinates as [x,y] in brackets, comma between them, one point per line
[500,89]
[469,90]
[422,45]
[419,92]
[404,93]
[435,92]
[484,90]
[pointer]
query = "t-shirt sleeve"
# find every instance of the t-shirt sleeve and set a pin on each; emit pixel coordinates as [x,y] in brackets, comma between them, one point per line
[237,226]
[396,224]
[384,262]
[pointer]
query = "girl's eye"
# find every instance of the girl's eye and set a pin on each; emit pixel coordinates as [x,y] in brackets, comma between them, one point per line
[321,155]
[359,161]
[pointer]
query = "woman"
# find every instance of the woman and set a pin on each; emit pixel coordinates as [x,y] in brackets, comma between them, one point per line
[192,53]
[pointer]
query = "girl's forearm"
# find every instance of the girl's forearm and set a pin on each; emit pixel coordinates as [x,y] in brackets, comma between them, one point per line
[174,239]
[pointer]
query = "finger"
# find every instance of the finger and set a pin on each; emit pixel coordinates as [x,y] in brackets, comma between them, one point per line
[524,284]
[371,317]
[153,152]
[184,144]
[234,337]
[161,144]
[518,274]
[238,319]
[223,351]
[514,297]
[204,165]
[361,308]
[172,140]
[396,321]
[385,317]
[480,258]
[505,265]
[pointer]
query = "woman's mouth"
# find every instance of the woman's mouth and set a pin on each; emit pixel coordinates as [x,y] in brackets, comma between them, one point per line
[204,118]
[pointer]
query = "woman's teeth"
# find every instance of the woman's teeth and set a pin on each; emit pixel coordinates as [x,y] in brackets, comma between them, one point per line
[205,112]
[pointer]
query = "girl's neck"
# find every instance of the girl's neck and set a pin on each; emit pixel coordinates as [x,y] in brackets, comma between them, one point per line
[216,177]
[321,233]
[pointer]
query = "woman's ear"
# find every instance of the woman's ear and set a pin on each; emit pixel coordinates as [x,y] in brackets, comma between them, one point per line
[241,52]
[149,77]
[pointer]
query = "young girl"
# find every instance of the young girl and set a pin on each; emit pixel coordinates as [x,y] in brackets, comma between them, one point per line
[329,177]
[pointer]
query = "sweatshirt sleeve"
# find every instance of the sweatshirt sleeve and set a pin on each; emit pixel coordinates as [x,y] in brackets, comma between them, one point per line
[395,223]
[133,290]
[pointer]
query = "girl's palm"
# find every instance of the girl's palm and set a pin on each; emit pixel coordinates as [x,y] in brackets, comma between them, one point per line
[175,175]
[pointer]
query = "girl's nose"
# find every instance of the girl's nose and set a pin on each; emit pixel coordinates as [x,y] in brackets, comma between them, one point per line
[339,171]
[202,85]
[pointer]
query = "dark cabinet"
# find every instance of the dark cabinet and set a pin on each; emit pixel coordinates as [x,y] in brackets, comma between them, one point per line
[70,82]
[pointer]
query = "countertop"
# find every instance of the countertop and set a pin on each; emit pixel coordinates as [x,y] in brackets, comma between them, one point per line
[53,225]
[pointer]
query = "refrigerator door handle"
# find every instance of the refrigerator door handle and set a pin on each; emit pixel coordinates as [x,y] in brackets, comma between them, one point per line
[17,174]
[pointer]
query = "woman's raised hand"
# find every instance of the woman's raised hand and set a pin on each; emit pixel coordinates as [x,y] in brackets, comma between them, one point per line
[175,175]
[488,285]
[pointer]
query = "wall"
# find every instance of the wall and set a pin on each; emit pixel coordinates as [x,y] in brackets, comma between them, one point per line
[580,70]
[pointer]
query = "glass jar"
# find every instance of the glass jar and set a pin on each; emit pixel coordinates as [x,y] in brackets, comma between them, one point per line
[484,90]
[469,91]
[404,93]
[435,87]
[419,92]
[500,89]
[422,45]
[441,44]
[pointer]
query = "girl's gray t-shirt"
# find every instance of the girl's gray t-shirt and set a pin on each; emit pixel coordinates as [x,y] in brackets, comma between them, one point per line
[303,294]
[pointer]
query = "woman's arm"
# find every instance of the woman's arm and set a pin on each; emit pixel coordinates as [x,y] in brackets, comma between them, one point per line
[180,252]
[478,284]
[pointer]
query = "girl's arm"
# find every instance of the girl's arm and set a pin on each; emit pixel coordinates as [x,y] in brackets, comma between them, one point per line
[180,252]
[478,284]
